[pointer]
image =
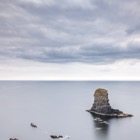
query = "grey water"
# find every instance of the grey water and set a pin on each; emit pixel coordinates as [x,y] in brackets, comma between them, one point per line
[58,107]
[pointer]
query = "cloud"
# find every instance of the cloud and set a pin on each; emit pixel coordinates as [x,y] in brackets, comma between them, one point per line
[64,4]
[69,31]
[134,30]
[19,69]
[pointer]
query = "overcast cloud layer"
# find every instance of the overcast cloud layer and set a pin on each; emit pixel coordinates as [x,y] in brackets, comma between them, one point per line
[90,32]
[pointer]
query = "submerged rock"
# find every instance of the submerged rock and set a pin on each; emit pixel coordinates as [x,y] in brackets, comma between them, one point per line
[102,107]
[99,120]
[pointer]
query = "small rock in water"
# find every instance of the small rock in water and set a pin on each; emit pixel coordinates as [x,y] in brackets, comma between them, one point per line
[56,137]
[13,139]
[100,121]
[33,125]
[59,137]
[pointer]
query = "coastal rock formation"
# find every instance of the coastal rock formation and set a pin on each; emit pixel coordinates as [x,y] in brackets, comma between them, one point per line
[102,107]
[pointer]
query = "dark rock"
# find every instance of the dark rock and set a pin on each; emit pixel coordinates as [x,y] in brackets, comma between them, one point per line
[56,137]
[13,139]
[60,136]
[33,125]
[102,107]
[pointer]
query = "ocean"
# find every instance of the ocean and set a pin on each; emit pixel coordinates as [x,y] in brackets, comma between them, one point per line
[59,108]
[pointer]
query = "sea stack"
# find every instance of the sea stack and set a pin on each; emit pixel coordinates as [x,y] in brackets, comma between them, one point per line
[102,107]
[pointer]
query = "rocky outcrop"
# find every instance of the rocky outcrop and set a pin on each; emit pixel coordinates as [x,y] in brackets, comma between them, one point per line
[102,107]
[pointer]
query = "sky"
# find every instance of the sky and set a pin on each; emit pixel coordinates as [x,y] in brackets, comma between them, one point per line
[69,40]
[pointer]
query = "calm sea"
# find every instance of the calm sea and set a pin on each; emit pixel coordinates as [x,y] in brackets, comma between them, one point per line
[59,108]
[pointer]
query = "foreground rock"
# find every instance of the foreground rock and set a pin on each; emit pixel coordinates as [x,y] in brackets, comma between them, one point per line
[56,137]
[59,137]
[13,139]
[102,107]
[33,125]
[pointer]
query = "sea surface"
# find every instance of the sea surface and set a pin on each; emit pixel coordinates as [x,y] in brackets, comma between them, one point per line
[58,107]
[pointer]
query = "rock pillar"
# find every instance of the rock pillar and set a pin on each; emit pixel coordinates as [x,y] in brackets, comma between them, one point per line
[101,103]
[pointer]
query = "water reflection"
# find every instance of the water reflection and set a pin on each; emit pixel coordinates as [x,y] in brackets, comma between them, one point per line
[101,128]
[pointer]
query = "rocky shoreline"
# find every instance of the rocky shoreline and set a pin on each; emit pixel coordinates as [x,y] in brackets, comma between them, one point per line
[101,106]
